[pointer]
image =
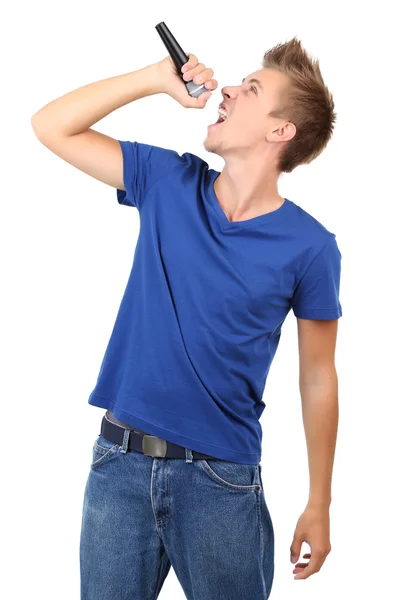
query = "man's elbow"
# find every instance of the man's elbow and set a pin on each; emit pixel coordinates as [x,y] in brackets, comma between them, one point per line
[321,374]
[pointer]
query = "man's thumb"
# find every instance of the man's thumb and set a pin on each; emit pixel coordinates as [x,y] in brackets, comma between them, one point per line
[295,550]
[201,101]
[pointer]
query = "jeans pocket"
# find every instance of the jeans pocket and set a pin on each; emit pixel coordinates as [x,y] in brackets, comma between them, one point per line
[235,476]
[103,450]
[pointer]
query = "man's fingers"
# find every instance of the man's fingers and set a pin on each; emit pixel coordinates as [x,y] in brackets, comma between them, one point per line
[211,84]
[315,564]
[198,73]
[191,73]
[191,63]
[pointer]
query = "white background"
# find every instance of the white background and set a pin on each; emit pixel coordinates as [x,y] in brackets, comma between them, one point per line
[67,247]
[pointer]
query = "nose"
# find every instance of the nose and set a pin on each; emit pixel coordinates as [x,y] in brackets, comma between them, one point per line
[230,91]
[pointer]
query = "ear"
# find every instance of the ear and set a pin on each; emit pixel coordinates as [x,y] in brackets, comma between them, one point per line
[282,133]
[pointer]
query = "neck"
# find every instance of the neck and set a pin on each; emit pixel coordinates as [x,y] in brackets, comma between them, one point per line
[247,189]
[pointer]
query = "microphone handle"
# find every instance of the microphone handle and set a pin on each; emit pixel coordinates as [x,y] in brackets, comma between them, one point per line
[179,58]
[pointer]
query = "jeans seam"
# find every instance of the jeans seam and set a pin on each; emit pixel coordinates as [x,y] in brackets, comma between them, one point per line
[261,553]
[153,467]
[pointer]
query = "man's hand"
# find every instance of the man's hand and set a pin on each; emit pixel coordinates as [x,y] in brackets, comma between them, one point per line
[312,528]
[173,85]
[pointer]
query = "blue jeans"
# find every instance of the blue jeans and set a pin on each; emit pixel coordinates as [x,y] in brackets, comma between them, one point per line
[208,518]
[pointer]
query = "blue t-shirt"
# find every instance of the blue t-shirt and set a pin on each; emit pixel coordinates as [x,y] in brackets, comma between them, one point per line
[200,319]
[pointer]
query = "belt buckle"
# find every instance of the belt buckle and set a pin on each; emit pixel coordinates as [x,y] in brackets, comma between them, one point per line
[154,446]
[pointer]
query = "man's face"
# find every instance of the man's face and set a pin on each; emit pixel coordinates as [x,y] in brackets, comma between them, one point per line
[247,106]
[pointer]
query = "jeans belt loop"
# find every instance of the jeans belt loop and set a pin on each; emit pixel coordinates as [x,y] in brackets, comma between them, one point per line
[125,441]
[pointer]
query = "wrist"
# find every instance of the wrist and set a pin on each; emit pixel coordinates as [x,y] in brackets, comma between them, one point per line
[319,503]
[157,77]
[146,81]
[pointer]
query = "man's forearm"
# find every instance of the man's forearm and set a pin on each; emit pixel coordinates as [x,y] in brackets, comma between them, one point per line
[78,110]
[320,418]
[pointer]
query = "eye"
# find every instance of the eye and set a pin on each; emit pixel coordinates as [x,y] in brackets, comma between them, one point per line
[252,88]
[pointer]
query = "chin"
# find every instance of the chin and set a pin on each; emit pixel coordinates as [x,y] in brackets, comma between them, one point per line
[212,145]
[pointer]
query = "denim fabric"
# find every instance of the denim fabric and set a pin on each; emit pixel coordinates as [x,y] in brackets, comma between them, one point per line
[209,519]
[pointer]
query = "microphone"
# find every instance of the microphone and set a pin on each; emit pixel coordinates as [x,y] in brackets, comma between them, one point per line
[179,58]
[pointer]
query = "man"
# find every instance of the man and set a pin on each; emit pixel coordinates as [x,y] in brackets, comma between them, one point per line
[221,258]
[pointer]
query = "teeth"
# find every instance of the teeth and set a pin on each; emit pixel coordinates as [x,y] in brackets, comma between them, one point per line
[223,113]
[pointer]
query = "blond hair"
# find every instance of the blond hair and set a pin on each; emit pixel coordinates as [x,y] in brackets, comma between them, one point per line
[306,102]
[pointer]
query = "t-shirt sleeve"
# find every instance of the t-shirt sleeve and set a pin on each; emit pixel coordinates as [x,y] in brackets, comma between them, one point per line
[316,295]
[143,166]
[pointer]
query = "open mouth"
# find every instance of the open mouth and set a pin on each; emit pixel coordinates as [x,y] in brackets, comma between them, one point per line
[222,117]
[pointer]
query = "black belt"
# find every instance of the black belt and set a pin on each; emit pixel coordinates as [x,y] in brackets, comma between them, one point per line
[150,445]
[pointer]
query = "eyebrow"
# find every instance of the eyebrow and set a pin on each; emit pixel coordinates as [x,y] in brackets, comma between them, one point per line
[253,80]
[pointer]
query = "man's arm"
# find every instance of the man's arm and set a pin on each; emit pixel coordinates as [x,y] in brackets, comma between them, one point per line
[319,395]
[64,124]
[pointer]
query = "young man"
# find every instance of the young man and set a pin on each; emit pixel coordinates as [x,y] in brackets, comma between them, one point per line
[220,261]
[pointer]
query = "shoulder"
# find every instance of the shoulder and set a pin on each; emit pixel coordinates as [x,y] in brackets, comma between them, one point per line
[313,237]
[311,233]
[308,225]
